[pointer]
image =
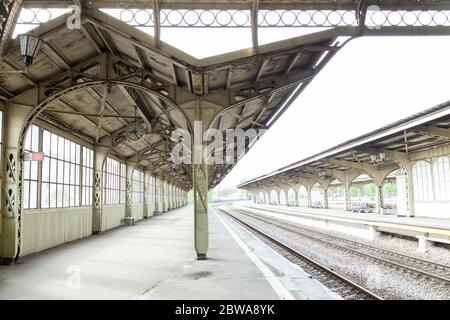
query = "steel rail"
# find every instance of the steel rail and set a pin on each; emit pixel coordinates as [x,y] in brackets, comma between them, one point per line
[345,248]
[358,243]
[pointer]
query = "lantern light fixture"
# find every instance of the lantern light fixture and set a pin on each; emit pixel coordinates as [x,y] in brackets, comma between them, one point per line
[378,158]
[29,47]
[322,174]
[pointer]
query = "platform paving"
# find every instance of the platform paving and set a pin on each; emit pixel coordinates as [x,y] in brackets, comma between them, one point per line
[155,259]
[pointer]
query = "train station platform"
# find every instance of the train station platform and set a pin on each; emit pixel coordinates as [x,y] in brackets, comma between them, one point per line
[366,225]
[155,259]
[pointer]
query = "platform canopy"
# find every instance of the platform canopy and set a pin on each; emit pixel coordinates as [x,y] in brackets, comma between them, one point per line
[395,146]
[91,80]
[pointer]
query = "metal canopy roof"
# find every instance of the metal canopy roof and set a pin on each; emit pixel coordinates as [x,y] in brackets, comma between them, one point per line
[240,89]
[408,137]
[101,72]
[237,4]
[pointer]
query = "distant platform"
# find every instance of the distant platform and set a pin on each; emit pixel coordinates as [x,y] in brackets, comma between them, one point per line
[366,225]
[155,259]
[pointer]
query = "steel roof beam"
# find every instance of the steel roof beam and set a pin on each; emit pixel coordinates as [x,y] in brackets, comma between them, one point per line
[435,132]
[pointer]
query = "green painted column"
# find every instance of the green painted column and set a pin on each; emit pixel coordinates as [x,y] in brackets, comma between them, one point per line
[157,195]
[325,198]
[175,197]
[380,199]
[163,196]
[308,189]
[348,204]
[169,197]
[99,160]
[200,177]
[407,168]
[11,241]
[147,207]
[129,188]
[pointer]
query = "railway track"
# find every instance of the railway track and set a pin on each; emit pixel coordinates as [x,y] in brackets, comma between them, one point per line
[340,284]
[420,267]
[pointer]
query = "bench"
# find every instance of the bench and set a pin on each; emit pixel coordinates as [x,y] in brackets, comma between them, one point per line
[128,221]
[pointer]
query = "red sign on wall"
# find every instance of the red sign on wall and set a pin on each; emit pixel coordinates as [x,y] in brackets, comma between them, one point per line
[34,156]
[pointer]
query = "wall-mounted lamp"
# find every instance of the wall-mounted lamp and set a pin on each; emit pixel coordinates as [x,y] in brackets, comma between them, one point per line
[29,47]
[378,158]
[322,174]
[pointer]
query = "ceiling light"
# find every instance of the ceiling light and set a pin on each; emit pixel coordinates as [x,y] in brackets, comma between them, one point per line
[29,47]
[378,158]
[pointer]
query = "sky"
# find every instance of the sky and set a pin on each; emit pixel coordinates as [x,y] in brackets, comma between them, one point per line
[371,82]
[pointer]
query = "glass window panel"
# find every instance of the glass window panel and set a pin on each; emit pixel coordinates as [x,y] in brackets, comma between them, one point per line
[83,197]
[66,196]
[28,140]
[422,181]
[87,176]
[59,196]
[45,195]
[86,157]
[67,150]
[77,196]
[77,174]
[72,174]
[441,175]
[66,172]
[112,182]
[33,194]
[26,194]
[26,170]
[72,152]
[91,158]
[77,154]
[54,146]
[35,138]
[46,169]
[72,196]
[60,172]
[53,196]
[60,148]
[53,170]
[46,143]
[34,170]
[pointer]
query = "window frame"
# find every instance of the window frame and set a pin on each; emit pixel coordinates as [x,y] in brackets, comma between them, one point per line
[114,182]
[137,186]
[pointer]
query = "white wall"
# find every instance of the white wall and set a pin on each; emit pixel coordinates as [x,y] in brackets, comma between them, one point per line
[137,211]
[150,209]
[46,228]
[112,215]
